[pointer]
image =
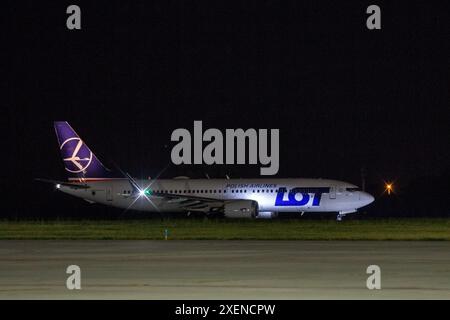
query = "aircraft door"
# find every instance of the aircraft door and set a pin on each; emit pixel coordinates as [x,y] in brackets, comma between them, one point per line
[332,192]
[109,196]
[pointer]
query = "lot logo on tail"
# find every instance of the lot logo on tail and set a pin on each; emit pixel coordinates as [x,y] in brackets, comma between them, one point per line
[77,156]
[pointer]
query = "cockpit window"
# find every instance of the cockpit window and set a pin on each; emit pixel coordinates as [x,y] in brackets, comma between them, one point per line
[353,189]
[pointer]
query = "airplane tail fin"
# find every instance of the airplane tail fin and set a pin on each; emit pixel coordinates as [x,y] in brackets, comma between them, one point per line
[79,161]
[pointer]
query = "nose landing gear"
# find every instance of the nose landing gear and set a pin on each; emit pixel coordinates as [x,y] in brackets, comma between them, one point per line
[341,214]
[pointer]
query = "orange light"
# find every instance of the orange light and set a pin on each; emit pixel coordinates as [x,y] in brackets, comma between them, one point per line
[389,188]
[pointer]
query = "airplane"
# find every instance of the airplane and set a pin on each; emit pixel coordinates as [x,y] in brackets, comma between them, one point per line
[262,198]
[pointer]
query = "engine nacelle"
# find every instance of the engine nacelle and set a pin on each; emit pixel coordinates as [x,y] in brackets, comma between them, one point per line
[267,215]
[241,209]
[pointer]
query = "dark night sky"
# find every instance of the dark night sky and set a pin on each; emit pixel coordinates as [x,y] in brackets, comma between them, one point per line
[341,95]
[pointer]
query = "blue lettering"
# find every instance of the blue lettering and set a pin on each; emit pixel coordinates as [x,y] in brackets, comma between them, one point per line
[305,192]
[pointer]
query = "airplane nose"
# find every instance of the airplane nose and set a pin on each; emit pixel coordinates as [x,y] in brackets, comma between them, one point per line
[366,198]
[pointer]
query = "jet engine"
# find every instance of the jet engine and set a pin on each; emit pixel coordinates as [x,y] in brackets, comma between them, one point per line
[241,209]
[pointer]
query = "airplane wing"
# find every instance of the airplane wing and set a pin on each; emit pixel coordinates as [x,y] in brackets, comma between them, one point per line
[182,201]
[191,203]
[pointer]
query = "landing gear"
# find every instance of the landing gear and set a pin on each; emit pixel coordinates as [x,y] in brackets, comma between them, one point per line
[341,214]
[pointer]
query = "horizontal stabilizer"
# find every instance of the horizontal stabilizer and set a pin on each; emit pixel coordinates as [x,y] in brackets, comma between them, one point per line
[64,183]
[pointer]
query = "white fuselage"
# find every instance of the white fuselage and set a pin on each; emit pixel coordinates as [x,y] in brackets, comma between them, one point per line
[272,195]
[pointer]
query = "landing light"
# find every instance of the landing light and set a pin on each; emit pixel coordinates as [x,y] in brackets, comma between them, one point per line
[58,186]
